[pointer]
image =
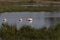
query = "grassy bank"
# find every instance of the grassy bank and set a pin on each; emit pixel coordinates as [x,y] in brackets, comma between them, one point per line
[10,32]
[30,9]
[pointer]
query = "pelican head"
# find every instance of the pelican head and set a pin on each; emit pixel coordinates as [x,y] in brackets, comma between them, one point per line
[30,20]
[4,20]
[20,20]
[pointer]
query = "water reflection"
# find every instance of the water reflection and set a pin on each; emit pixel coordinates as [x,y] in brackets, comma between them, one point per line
[35,19]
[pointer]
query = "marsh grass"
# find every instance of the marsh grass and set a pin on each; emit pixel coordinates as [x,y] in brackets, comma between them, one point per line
[29,9]
[10,32]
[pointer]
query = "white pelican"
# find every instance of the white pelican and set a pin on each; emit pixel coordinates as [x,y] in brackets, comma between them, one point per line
[4,20]
[30,20]
[20,20]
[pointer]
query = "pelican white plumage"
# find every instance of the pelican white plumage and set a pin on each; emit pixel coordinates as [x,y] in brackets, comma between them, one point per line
[4,20]
[30,20]
[20,20]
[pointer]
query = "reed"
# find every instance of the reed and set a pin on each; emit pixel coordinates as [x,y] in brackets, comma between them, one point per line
[26,32]
[28,9]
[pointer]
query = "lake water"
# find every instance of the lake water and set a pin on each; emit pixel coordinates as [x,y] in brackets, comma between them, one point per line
[39,19]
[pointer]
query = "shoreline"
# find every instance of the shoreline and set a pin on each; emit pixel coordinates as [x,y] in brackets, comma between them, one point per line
[28,9]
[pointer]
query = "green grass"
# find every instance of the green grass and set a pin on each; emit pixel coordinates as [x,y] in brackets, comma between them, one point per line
[10,32]
[30,9]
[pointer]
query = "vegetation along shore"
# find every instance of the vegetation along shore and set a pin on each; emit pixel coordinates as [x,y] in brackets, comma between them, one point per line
[30,9]
[15,6]
[10,32]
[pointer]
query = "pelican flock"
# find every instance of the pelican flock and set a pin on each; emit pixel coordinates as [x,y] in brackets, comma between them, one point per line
[30,20]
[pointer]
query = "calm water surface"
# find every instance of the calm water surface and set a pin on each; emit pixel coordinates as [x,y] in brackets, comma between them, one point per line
[39,18]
